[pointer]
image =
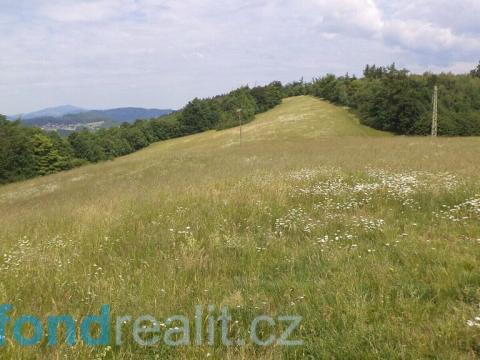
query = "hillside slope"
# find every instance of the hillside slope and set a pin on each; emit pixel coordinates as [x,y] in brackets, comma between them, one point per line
[308,117]
[372,239]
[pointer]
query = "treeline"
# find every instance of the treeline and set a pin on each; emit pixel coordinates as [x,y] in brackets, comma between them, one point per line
[27,152]
[385,98]
[391,99]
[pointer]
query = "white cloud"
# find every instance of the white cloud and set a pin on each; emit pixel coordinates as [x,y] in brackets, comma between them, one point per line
[456,68]
[461,16]
[355,17]
[87,11]
[93,52]
[425,36]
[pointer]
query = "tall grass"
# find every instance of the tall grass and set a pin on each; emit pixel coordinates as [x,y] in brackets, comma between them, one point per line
[372,239]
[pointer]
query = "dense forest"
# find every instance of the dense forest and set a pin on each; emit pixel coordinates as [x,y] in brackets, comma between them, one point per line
[385,98]
[391,99]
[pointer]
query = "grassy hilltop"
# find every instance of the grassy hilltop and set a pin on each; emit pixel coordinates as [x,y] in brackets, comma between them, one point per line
[373,239]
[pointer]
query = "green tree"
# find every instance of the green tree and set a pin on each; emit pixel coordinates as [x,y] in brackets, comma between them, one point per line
[237,105]
[48,158]
[267,97]
[476,72]
[17,160]
[134,136]
[86,146]
[200,115]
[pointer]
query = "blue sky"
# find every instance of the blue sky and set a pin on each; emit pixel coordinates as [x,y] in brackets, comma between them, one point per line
[161,53]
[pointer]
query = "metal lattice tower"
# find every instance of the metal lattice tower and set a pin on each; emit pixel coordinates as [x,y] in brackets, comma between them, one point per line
[435,112]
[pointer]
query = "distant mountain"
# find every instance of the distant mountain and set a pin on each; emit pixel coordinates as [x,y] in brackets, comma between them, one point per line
[127,114]
[53,112]
[99,118]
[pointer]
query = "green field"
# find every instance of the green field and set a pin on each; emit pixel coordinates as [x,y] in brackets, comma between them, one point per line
[373,239]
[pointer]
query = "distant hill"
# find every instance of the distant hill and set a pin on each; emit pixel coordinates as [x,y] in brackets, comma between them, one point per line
[57,119]
[127,114]
[53,112]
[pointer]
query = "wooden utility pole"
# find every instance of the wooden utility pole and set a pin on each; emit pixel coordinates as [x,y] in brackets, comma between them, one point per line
[435,112]
[239,114]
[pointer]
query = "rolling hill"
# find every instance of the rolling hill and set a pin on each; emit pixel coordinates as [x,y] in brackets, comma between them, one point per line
[57,111]
[70,118]
[372,239]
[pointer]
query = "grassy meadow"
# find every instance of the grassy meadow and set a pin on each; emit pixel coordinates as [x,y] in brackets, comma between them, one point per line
[373,239]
